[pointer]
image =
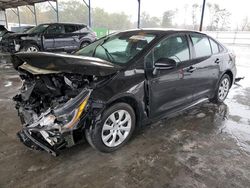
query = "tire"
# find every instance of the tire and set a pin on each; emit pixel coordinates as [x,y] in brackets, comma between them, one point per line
[222,89]
[30,48]
[84,44]
[108,136]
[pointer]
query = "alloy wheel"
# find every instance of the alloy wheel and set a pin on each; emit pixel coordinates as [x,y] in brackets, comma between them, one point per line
[223,89]
[32,49]
[116,128]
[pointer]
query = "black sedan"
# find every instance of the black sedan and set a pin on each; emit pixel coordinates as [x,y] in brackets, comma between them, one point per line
[120,82]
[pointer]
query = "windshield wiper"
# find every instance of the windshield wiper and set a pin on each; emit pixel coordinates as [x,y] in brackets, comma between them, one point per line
[108,54]
[105,40]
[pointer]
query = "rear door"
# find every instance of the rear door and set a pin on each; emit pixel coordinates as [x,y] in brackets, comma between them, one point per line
[169,89]
[206,66]
[72,38]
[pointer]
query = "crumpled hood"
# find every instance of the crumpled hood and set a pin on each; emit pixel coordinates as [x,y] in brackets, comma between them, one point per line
[4,33]
[47,63]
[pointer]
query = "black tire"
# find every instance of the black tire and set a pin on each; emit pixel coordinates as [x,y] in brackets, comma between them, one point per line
[84,44]
[30,48]
[217,99]
[94,133]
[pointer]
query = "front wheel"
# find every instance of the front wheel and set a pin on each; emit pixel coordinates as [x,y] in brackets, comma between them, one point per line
[114,130]
[30,48]
[222,90]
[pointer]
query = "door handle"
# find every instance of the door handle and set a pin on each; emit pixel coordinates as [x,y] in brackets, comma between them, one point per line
[217,61]
[191,69]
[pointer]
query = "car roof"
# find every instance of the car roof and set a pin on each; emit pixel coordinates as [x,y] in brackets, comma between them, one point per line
[64,23]
[164,31]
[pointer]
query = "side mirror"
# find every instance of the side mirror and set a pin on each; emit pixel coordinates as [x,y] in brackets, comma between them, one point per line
[165,64]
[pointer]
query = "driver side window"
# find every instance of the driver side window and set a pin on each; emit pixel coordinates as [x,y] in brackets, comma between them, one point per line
[175,47]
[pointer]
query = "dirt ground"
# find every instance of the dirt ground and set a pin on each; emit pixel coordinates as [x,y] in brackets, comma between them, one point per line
[207,146]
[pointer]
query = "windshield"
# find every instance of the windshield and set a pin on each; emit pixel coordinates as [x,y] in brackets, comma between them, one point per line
[38,29]
[118,48]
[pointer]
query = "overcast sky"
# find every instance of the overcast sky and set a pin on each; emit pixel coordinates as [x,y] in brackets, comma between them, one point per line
[238,8]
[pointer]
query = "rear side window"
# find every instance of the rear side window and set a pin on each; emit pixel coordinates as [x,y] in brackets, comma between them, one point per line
[201,45]
[214,46]
[82,28]
[70,28]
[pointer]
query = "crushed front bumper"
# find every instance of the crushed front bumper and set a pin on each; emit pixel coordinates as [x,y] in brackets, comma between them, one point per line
[32,142]
[7,46]
[55,129]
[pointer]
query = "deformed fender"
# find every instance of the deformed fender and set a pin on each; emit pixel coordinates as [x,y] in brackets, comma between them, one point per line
[128,97]
[23,43]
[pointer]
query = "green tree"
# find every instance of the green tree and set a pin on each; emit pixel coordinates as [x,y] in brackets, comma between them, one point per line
[245,24]
[219,18]
[73,11]
[119,21]
[116,21]
[167,19]
[44,14]
[148,21]
[195,13]
[100,18]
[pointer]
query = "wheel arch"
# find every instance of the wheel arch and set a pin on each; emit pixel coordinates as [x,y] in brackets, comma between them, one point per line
[85,40]
[30,42]
[130,100]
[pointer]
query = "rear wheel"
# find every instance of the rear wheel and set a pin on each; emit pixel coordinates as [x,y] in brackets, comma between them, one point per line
[223,89]
[83,44]
[114,130]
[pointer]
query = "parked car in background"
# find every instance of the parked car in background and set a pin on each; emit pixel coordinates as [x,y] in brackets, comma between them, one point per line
[118,83]
[21,29]
[3,32]
[52,37]
[26,30]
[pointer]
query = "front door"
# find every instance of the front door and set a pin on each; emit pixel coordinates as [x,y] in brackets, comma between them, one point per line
[48,39]
[169,89]
[54,38]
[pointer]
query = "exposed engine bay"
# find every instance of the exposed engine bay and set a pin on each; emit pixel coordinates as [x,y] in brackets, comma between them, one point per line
[51,105]
[54,106]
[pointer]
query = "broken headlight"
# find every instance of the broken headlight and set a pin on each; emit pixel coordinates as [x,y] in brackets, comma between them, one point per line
[70,119]
[70,114]
[65,116]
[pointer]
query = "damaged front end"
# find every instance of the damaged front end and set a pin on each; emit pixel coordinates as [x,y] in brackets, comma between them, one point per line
[54,106]
[53,128]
